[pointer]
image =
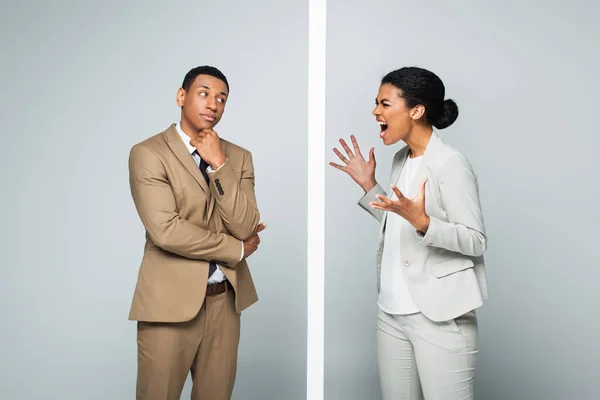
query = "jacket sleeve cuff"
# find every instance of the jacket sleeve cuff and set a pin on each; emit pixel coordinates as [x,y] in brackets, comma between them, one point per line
[210,170]
[430,238]
[371,196]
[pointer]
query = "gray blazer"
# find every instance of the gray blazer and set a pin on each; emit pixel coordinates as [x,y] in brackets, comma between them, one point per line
[444,269]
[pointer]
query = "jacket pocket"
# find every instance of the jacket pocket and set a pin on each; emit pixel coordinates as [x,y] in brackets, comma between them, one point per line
[452,266]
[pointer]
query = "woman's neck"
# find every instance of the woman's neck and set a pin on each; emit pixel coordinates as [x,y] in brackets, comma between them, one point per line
[418,139]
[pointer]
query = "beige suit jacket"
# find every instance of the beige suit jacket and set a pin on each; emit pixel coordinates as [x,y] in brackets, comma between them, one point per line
[444,269]
[189,223]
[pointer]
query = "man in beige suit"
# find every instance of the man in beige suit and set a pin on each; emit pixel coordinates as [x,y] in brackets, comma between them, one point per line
[194,193]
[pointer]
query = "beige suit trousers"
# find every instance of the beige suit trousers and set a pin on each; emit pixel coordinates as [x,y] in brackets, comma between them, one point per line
[207,346]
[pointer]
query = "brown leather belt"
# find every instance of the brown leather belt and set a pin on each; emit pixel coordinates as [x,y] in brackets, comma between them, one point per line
[218,288]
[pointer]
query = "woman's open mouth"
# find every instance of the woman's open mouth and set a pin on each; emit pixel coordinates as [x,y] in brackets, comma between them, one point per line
[384,127]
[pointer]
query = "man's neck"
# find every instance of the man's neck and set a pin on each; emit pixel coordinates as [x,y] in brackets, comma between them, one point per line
[187,129]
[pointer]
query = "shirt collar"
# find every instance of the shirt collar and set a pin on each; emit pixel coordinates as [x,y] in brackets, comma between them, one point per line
[185,138]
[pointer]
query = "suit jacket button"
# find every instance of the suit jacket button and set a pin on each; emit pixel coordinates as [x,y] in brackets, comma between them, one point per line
[407,263]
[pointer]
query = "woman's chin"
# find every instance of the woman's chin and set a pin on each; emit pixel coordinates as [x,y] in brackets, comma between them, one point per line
[384,136]
[387,138]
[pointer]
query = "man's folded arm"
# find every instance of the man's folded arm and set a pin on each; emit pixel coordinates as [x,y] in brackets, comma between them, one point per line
[156,206]
[236,200]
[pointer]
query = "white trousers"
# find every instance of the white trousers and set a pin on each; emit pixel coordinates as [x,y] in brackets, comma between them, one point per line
[421,359]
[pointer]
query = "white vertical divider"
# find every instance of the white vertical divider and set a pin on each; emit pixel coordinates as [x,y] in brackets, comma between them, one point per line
[316,199]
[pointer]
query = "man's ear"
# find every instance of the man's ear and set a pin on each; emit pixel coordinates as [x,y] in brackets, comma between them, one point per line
[180,97]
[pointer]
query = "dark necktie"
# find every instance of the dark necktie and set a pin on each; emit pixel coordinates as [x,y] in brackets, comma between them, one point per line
[203,165]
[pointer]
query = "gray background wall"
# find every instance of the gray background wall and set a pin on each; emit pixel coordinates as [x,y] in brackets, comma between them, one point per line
[81,83]
[525,76]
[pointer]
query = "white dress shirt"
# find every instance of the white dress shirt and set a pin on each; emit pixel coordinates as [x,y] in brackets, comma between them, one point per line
[394,297]
[218,275]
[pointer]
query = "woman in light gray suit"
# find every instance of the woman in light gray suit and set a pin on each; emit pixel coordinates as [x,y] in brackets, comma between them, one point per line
[430,269]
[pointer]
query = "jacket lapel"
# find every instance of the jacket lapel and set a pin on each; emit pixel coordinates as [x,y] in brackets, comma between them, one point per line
[181,152]
[397,166]
[422,171]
